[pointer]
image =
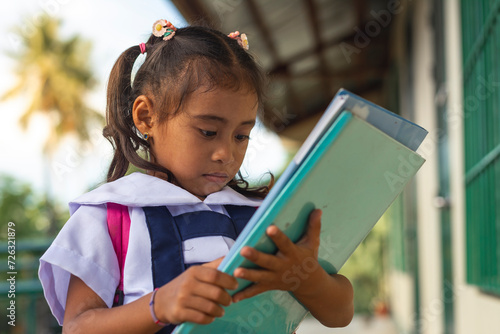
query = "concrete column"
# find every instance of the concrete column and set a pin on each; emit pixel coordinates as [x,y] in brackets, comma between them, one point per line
[429,231]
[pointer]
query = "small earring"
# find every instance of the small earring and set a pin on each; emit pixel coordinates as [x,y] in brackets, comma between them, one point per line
[146,136]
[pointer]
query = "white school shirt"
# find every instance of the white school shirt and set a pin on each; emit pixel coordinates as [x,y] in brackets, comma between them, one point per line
[83,247]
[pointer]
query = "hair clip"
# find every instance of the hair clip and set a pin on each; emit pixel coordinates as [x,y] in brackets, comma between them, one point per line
[141,58]
[242,39]
[164,28]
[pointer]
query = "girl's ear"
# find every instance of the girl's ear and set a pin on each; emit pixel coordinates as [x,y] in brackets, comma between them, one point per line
[142,112]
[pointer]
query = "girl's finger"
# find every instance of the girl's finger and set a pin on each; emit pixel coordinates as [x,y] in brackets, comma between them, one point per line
[193,315]
[203,305]
[312,236]
[251,291]
[263,260]
[254,275]
[211,292]
[215,277]
[214,264]
[280,239]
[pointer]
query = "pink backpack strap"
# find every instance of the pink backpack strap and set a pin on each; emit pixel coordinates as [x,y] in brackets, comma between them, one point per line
[119,230]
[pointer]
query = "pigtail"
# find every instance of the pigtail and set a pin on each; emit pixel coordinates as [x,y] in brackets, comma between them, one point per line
[118,114]
[120,129]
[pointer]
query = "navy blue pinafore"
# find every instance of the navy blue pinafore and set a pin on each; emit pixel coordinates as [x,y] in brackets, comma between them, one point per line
[167,234]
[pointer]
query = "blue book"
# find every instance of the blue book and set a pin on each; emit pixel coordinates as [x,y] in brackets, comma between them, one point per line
[356,161]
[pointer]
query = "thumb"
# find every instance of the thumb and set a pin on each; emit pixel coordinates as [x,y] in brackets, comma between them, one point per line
[312,235]
[214,264]
[314,228]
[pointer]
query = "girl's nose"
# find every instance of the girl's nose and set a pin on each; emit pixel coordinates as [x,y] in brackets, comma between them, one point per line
[224,153]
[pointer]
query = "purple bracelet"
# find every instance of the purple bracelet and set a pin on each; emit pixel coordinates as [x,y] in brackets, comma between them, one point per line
[151,308]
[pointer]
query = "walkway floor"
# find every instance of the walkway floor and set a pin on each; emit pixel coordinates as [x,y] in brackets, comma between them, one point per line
[360,324]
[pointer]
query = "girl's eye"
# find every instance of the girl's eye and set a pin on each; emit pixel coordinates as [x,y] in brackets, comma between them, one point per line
[242,137]
[207,133]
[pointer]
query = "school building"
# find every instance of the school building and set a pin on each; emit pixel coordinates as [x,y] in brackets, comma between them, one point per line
[445,235]
[435,62]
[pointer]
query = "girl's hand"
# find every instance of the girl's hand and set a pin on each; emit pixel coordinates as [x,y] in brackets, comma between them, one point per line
[294,268]
[196,295]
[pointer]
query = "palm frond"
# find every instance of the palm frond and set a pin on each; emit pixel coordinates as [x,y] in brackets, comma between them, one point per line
[17,89]
[57,74]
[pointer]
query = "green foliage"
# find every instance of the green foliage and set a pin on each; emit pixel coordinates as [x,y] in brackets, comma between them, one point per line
[30,211]
[366,270]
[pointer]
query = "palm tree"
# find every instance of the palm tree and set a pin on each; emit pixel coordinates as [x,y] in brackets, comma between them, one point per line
[56,74]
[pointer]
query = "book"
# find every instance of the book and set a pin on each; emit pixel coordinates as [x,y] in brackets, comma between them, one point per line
[353,165]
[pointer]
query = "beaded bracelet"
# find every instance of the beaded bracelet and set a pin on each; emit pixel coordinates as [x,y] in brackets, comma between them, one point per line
[151,308]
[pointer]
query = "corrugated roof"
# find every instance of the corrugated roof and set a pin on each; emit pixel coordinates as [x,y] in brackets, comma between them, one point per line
[310,48]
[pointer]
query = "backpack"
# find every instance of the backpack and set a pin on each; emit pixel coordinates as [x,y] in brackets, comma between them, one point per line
[118,220]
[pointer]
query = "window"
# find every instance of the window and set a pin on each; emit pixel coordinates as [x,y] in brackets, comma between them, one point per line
[481,76]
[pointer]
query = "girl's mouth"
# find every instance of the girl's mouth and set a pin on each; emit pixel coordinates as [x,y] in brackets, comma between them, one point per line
[216,177]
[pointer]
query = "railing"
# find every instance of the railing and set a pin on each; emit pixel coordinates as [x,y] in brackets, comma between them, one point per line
[21,294]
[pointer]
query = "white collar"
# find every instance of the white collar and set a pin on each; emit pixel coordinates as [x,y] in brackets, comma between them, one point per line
[138,189]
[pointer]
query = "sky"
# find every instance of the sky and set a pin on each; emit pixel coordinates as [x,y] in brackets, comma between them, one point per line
[112,26]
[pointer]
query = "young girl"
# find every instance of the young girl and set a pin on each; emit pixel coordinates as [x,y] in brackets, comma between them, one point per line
[181,107]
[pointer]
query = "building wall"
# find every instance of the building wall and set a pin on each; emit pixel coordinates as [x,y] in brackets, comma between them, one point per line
[474,311]
[402,300]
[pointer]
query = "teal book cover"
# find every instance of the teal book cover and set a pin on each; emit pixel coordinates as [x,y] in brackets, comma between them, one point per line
[352,167]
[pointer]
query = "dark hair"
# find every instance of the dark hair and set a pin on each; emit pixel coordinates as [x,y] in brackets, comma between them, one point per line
[195,57]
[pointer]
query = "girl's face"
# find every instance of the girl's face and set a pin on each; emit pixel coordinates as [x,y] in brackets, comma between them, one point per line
[204,144]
